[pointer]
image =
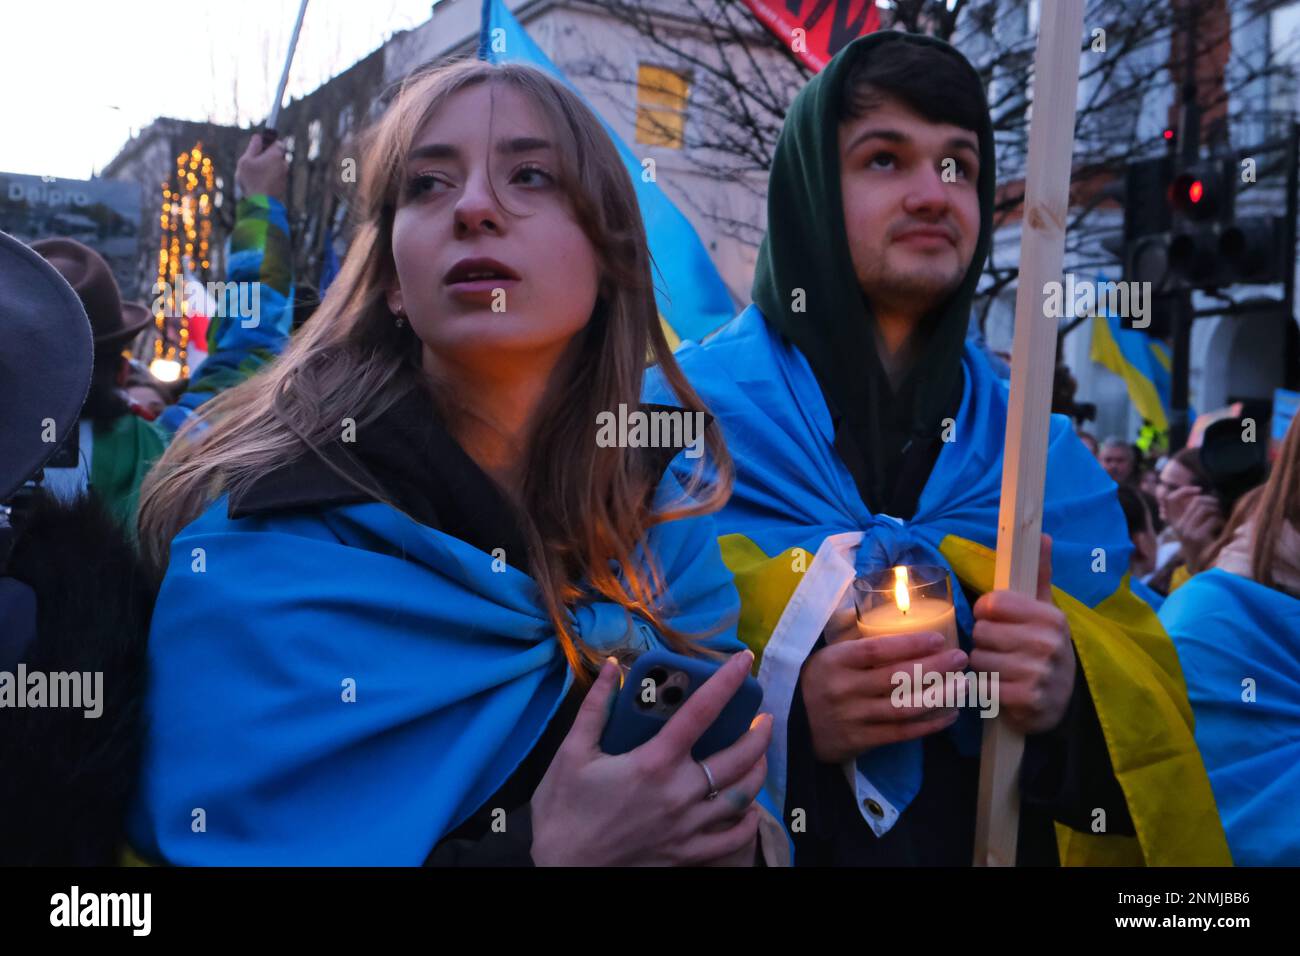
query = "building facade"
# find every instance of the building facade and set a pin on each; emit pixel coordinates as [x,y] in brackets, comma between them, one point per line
[654,82]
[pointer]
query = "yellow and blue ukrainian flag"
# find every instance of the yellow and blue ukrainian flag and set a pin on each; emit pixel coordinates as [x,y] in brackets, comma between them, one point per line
[1237,641]
[460,671]
[693,300]
[1141,360]
[793,497]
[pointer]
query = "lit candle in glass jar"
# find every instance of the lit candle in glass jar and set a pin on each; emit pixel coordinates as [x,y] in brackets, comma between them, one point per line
[917,599]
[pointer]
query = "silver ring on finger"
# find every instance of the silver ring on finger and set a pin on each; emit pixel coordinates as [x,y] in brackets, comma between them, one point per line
[713,786]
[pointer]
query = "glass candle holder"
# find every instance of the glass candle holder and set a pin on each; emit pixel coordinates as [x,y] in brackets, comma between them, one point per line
[904,600]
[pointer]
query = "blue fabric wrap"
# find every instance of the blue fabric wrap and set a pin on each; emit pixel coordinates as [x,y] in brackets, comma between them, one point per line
[792,489]
[1229,629]
[455,665]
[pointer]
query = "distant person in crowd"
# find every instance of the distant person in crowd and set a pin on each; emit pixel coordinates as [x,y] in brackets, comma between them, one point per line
[147,397]
[1142,532]
[1119,459]
[115,447]
[1261,541]
[1193,517]
[1089,441]
[74,601]
[1149,480]
[1237,629]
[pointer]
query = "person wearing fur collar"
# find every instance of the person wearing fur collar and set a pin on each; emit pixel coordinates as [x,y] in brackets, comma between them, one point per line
[73,601]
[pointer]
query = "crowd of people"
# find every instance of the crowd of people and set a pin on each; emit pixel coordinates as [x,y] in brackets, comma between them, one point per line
[363,590]
[1177,509]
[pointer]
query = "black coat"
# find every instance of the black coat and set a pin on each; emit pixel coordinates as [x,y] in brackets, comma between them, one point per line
[66,779]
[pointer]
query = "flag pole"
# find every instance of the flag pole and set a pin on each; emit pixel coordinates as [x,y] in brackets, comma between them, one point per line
[269,132]
[1033,365]
[484,24]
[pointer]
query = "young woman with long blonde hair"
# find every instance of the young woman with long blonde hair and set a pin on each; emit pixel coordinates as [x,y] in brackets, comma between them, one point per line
[391,565]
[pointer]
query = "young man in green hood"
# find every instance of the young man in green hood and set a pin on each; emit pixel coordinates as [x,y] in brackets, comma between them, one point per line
[866,433]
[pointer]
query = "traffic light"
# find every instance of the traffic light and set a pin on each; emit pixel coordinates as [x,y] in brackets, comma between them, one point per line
[1254,249]
[1194,257]
[1146,201]
[1181,231]
[1202,193]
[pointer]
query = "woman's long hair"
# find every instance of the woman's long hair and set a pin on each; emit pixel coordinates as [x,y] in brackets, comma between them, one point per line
[583,508]
[1268,508]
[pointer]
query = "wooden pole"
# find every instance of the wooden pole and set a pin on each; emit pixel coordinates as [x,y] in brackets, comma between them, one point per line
[1033,366]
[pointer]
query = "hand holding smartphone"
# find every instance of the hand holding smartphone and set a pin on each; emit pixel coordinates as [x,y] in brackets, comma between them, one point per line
[656,687]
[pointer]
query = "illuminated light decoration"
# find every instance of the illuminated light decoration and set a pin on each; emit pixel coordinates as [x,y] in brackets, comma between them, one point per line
[165,370]
[184,217]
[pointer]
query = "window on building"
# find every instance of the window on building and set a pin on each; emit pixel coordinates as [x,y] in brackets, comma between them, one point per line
[660,106]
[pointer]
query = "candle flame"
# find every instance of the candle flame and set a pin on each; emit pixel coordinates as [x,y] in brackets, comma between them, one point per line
[901,595]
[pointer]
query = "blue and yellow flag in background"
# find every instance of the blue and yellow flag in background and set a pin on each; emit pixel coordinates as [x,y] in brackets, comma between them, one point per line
[693,299]
[1141,360]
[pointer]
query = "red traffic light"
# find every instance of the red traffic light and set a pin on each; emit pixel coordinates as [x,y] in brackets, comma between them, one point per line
[1169,134]
[1195,194]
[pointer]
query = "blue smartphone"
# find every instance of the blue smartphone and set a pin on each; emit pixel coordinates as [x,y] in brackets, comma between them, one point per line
[655,688]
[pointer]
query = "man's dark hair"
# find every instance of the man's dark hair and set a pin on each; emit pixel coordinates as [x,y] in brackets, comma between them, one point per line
[931,82]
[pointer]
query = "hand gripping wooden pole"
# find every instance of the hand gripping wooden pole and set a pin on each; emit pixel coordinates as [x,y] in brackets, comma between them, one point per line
[1033,365]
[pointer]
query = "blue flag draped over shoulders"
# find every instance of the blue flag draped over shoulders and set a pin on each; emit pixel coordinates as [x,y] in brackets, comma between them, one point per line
[793,491]
[347,686]
[1239,644]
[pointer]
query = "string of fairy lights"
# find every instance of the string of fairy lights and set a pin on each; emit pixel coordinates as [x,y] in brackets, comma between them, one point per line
[186,221]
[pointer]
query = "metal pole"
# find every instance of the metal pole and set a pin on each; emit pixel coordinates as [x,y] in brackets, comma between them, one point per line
[1292,210]
[269,133]
[1181,303]
[1189,134]
[1180,360]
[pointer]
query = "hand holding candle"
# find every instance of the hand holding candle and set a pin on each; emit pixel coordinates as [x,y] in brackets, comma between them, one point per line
[848,685]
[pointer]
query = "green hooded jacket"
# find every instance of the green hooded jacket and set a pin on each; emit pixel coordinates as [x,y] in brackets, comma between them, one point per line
[806,248]
[125,450]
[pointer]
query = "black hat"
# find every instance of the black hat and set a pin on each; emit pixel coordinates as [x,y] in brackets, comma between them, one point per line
[1234,465]
[46,353]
